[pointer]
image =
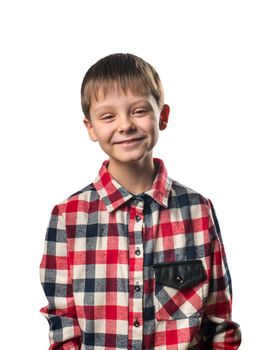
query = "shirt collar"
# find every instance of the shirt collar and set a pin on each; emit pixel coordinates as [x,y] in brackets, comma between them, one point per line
[114,195]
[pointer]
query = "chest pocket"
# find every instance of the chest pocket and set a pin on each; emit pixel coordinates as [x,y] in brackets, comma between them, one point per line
[179,289]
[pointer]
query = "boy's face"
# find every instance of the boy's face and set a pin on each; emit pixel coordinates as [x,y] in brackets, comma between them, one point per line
[126,126]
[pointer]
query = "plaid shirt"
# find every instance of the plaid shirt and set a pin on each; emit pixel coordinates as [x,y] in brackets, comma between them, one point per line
[146,271]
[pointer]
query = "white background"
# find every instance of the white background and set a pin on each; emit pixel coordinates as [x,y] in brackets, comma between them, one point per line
[209,55]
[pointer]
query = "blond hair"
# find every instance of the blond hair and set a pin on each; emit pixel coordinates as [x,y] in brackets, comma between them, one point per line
[123,71]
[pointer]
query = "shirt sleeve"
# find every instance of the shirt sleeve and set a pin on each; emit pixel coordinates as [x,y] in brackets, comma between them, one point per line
[56,281]
[220,332]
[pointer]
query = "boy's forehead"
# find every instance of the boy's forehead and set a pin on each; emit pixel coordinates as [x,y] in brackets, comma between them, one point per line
[114,92]
[114,89]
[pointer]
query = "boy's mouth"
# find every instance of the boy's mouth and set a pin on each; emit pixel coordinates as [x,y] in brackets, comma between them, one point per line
[130,141]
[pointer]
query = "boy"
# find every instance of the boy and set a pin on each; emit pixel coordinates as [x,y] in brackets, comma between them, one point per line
[135,260]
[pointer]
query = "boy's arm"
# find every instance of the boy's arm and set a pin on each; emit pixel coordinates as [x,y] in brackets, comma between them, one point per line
[219,330]
[57,284]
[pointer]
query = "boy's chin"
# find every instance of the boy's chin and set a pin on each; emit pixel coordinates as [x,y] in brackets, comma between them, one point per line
[130,159]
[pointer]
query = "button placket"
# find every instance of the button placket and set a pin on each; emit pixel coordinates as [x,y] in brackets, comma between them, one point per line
[135,228]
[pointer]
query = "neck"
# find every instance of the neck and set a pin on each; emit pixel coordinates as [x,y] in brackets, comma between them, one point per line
[136,177]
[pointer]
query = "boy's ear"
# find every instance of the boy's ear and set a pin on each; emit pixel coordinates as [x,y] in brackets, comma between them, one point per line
[164,117]
[90,129]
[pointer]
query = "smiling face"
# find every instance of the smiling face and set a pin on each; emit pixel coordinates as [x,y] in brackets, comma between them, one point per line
[126,126]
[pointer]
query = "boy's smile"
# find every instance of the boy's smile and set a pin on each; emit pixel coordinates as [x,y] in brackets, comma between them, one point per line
[126,126]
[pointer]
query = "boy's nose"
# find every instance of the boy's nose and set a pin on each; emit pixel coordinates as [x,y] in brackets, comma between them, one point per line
[126,124]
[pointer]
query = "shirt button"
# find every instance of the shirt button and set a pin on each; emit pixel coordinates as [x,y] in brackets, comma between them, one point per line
[137,288]
[138,252]
[179,279]
[136,323]
[138,218]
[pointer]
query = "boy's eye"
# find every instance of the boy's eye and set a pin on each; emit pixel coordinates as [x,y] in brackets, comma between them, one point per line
[106,117]
[140,111]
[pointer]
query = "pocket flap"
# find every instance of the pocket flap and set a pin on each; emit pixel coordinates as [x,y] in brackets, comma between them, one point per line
[181,274]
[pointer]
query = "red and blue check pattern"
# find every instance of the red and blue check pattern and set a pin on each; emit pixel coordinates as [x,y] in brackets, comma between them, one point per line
[101,250]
